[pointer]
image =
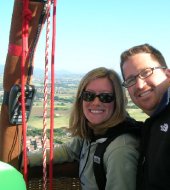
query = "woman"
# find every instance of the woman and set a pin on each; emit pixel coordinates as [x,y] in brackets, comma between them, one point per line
[99,111]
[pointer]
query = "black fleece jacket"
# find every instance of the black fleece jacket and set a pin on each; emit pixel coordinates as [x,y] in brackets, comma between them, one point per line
[154,162]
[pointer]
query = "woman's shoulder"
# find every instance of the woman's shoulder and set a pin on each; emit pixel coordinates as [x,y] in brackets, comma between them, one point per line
[123,149]
[124,141]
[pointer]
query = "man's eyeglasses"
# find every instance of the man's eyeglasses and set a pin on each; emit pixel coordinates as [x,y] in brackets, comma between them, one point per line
[103,97]
[142,75]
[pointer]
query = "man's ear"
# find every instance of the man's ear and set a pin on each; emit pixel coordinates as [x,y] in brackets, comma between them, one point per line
[167,72]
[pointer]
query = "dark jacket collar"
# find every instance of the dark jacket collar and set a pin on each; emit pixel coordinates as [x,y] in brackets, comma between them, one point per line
[164,102]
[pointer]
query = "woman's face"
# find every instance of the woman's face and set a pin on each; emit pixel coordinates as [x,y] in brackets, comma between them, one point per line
[94,109]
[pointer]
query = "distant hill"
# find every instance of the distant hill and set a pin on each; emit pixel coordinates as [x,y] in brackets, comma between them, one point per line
[39,73]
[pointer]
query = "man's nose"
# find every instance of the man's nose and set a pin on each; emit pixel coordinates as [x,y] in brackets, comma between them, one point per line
[140,83]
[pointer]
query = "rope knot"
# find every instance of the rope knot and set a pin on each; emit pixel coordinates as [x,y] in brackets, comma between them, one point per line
[27,14]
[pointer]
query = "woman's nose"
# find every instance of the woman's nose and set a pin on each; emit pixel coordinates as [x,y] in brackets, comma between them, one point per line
[96,101]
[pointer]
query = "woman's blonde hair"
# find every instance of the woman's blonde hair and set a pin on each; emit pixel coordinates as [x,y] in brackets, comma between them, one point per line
[78,123]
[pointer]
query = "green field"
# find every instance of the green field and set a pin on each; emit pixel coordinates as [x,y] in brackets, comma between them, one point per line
[137,114]
[61,117]
[59,121]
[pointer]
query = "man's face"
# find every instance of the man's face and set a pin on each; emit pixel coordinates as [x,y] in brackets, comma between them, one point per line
[146,93]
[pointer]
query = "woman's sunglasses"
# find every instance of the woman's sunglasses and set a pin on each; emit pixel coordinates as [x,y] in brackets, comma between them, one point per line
[103,97]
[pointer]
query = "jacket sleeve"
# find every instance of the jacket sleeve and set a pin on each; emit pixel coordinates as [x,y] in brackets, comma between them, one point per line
[121,167]
[67,152]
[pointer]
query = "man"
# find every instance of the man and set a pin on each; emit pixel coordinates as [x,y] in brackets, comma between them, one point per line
[147,80]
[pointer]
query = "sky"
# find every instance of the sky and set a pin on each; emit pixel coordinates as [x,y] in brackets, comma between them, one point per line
[93,33]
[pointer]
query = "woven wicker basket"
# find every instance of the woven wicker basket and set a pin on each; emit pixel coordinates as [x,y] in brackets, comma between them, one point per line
[65,177]
[63,183]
